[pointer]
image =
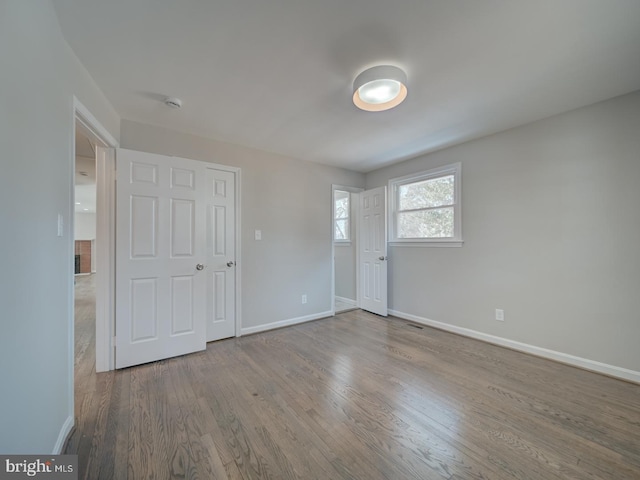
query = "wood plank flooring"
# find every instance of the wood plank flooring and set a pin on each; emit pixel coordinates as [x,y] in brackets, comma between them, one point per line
[355,396]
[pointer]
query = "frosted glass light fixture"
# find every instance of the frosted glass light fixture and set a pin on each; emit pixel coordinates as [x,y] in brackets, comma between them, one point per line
[380,88]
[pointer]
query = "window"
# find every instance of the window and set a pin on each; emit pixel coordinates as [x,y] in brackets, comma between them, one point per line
[341,210]
[425,208]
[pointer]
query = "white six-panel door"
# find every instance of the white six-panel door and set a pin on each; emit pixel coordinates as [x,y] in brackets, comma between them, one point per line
[373,250]
[221,254]
[160,257]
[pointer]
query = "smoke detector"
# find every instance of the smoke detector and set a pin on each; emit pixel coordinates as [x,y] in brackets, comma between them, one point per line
[173,102]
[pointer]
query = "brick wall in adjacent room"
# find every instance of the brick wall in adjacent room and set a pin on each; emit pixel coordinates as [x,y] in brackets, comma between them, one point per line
[83,248]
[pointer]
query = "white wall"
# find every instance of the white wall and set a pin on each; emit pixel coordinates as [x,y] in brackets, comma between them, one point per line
[345,271]
[289,200]
[38,79]
[85,226]
[551,234]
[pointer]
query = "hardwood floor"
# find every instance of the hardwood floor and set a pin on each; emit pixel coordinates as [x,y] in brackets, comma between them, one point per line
[355,396]
[341,306]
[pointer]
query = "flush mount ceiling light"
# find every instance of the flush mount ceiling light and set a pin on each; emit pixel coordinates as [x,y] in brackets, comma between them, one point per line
[380,88]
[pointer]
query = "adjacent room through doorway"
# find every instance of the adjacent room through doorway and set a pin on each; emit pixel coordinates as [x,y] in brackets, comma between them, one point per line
[85,254]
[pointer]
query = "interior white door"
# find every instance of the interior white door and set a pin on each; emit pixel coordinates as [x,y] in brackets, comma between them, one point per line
[160,255]
[221,254]
[373,250]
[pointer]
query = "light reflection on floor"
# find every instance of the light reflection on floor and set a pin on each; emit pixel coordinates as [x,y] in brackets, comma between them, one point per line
[391,416]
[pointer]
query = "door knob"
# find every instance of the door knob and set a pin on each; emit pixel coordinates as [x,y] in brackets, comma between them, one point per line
[199,266]
[382,258]
[230,263]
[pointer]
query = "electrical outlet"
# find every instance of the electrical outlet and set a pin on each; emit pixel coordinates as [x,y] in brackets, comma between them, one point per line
[499,314]
[304,299]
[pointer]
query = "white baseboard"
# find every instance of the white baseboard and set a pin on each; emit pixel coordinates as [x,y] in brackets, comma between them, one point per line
[584,363]
[62,436]
[285,323]
[349,301]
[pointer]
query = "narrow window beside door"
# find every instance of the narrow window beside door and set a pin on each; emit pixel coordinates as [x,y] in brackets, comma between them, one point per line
[341,209]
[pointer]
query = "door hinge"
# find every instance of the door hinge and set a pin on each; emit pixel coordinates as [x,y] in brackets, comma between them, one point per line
[114,341]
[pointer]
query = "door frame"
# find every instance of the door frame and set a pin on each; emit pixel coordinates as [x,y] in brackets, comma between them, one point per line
[355,244]
[105,238]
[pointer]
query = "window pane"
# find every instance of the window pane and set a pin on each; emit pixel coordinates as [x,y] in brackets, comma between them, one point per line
[427,193]
[341,204]
[342,230]
[437,223]
[342,208]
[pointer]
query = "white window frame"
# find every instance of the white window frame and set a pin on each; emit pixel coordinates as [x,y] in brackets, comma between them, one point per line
[454,169]
[342,241]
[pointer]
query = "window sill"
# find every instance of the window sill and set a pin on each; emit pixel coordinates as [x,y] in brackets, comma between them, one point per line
[429,243]
[342,244]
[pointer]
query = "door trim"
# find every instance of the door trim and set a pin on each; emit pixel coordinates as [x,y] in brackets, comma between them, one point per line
[105,259]
[355,244]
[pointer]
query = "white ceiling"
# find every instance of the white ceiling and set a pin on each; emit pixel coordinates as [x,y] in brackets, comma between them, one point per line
[277,74]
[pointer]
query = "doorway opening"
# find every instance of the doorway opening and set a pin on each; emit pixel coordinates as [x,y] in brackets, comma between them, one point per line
[93,164]
[344,230]
[84,239]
